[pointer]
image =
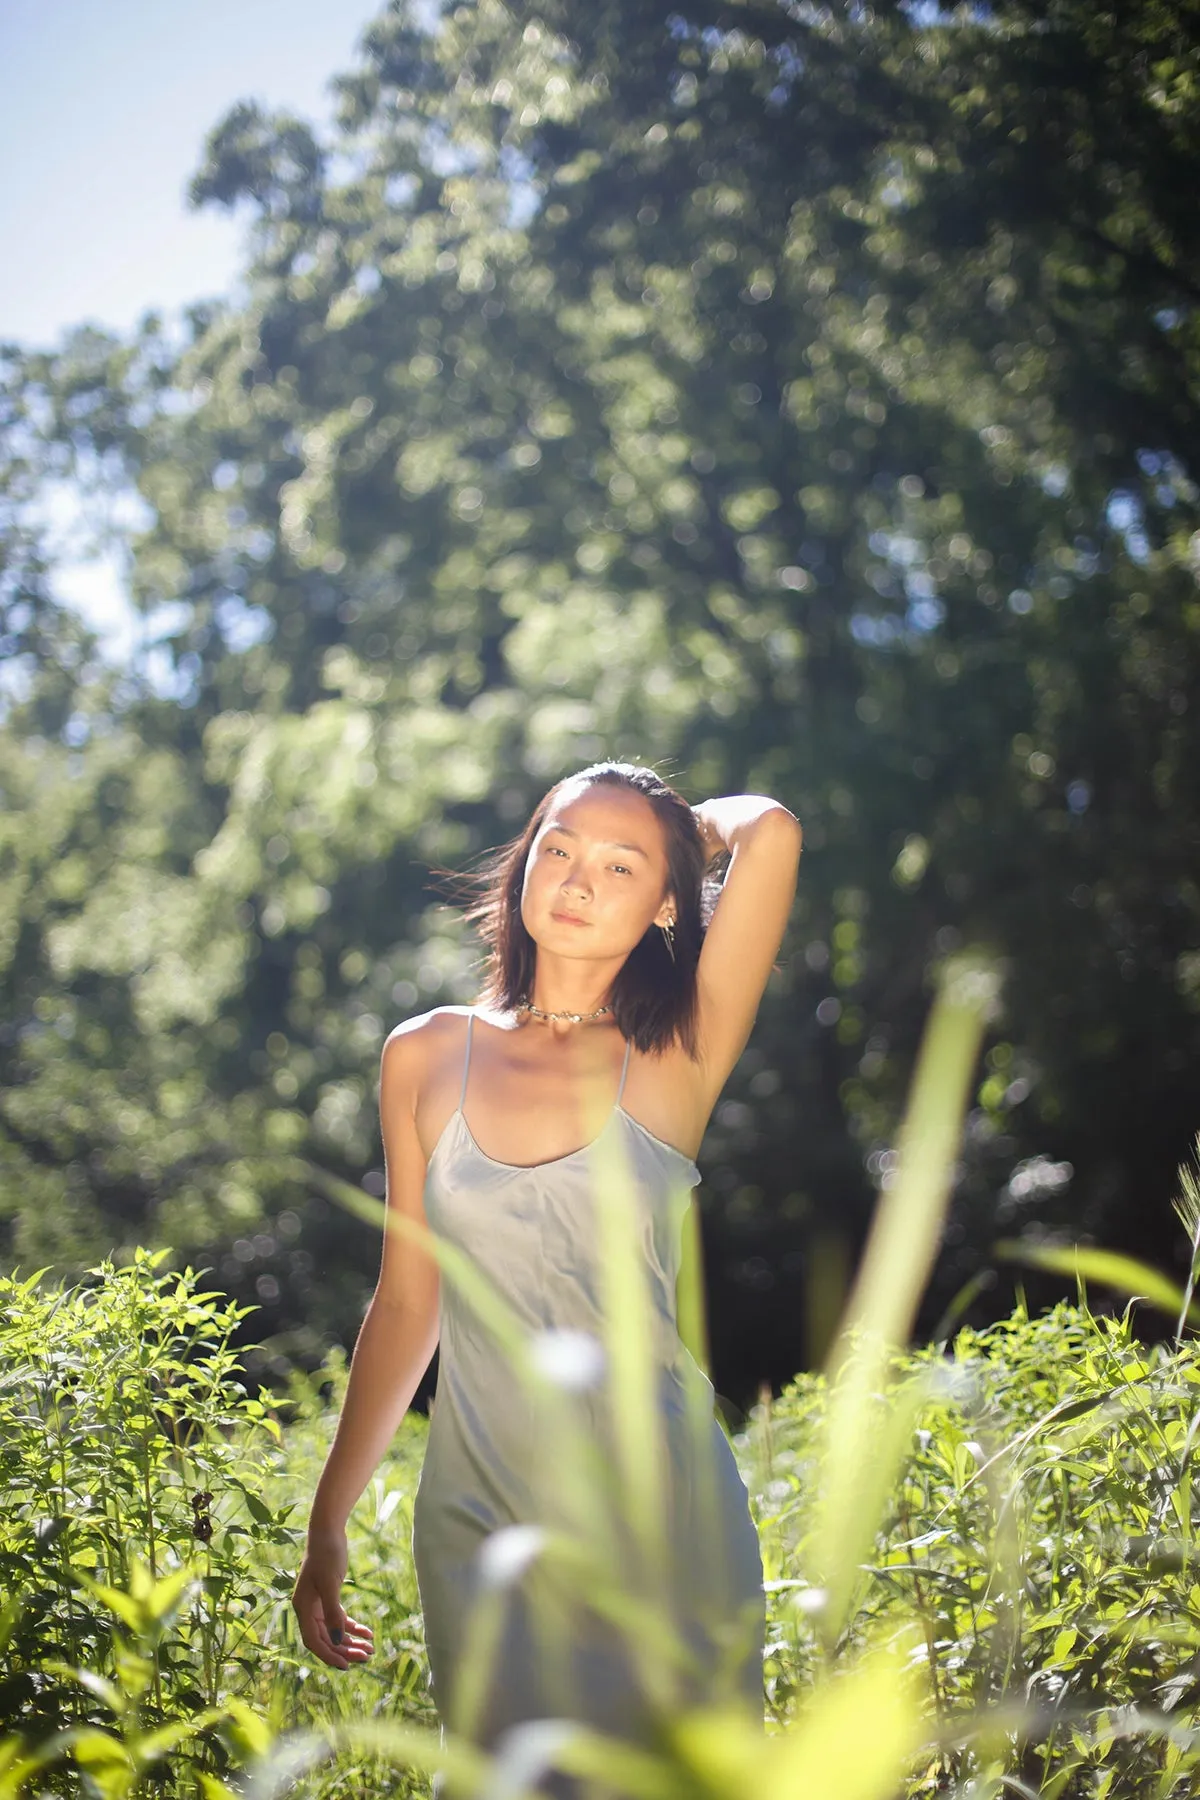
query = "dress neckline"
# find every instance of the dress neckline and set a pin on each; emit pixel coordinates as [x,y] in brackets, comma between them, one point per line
[553,1161]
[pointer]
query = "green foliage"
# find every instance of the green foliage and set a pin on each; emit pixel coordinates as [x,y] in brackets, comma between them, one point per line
[148,1737]
[132,1463]
[985,1547]
[802,397]
[147,1542]
[1041,1533]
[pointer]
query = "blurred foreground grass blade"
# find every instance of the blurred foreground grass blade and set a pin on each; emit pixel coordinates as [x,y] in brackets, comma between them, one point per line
[528,1751]
[874,1434]
[858,1734]
[554,1570]
[1107,1268]
[19,1764]
[410,1746]
[692,1315]
[852,1741]
[488,1306]
[635,1342]
[908,1221]
[619,1767]
[629,1346]
[859,1461]
[588,1512]
[699,1394]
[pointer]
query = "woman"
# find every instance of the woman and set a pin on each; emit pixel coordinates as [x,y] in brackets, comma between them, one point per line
[604,979]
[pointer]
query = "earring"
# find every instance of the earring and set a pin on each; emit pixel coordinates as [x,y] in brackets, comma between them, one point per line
[668,931]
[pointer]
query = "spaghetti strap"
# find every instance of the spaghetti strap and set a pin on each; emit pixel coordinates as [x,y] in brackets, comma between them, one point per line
[624,1069]
[466,1063]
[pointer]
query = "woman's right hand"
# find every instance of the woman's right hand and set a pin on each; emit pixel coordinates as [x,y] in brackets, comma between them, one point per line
[327,1629]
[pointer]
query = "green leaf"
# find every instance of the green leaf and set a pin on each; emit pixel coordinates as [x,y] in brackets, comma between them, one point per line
[1107,1267]
[258,1510]
[93,1748]
[91,1681]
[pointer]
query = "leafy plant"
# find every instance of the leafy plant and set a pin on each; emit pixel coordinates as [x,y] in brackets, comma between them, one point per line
[139,1741]
[982,1564]
[1041,1534]
[147,1549]
[135,1468]
[802,397]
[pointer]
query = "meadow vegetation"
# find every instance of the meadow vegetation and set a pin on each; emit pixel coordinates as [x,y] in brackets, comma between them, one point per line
[1039,1534]
[1011,1597]
[801,398]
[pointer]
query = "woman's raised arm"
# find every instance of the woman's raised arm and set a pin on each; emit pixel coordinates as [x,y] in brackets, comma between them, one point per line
[747,926]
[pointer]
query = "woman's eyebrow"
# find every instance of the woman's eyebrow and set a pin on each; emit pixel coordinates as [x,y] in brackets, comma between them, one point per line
[611,843]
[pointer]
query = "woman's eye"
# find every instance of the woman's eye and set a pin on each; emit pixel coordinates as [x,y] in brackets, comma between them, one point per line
[621,870]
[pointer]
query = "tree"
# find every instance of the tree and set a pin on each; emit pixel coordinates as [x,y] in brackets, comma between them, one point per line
[801,398]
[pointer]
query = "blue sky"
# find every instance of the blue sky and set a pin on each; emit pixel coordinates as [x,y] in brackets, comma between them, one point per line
[104,109]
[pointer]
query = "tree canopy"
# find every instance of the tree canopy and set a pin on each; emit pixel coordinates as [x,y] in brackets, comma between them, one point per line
[800,397]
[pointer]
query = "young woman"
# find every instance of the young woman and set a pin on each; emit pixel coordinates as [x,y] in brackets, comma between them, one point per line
[618,1000]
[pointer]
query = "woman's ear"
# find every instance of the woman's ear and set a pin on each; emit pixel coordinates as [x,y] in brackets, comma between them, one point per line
[667,912]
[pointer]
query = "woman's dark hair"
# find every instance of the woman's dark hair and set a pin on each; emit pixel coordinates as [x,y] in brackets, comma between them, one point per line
[653,997]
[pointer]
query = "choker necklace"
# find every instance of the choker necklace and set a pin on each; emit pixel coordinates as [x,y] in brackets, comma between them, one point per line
[575,1018]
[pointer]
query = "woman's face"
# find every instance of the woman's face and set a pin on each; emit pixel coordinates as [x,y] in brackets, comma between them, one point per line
[596,877]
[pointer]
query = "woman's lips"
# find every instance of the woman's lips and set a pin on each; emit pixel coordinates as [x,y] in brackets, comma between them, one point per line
[567,919]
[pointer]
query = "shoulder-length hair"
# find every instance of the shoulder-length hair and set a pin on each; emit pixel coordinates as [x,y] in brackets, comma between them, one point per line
[653,995]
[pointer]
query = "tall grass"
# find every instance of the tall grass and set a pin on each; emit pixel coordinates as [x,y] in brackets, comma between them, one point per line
[704,1735]
[980,1560]
[1040,1535]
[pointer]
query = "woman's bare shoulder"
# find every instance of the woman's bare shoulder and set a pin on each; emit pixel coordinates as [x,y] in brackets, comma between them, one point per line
[428,1027]
[413,1045]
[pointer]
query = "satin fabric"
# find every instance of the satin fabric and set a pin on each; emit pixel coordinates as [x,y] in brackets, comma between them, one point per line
[493,1460]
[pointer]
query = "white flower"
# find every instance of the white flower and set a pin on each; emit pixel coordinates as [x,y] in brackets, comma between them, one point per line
[507,1553]
[810,1600]
[572,1360]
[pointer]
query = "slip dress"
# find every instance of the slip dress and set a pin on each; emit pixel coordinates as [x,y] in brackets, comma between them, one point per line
[490,1459]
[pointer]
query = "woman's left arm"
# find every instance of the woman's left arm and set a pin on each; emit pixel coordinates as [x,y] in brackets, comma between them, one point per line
[747,927]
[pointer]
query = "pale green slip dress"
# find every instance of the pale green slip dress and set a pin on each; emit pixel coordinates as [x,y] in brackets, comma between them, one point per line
[490,1460]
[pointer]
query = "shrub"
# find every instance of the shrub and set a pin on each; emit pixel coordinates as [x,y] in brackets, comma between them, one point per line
[135,1468]
[1041,1532]
[1039,1537]
[149,1537]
